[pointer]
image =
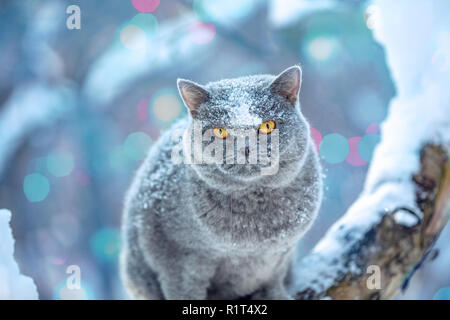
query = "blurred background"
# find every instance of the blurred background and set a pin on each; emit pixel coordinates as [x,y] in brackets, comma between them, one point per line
[79,109]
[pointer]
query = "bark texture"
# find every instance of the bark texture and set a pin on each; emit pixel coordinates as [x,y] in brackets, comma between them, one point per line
[398,250]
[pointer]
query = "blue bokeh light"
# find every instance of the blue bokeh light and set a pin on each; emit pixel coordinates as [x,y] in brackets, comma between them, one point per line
[334,148]
[36,187]
[367,145]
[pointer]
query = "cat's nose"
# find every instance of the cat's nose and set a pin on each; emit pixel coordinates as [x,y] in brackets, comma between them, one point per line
[247,151]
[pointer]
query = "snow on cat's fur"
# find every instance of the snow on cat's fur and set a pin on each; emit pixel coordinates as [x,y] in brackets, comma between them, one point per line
[222,231]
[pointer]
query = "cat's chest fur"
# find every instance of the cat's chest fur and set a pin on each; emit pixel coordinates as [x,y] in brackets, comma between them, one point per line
[260,215]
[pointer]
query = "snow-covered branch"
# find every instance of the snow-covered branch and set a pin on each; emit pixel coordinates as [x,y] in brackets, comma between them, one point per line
[395,239]
[13,285]
[405,203]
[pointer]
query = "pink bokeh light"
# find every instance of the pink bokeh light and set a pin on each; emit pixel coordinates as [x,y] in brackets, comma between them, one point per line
[145,6]
[353,156]
[81,178]
[316,136]
[202,32]
[373,128]
[142,109]
[59,261]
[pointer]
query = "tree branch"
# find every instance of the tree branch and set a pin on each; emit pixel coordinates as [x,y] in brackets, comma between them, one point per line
[396,240]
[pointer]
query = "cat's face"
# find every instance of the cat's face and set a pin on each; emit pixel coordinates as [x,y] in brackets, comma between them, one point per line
[247,130]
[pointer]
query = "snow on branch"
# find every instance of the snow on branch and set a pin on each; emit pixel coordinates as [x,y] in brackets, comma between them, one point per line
[394,240]
[405,203]
[13,285]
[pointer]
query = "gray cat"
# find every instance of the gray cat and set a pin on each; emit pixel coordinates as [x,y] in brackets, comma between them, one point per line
[219,228]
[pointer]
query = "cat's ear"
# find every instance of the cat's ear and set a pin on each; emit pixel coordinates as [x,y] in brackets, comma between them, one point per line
[287,84]
[192,94]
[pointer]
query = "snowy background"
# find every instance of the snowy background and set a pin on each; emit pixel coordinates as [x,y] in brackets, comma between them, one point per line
[79,109]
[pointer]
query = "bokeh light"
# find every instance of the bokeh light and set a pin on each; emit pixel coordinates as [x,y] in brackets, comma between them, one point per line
[137,34]
[166,105]
[442,294]
[133,38]
[81,178]
[334,148]
[321,48]
[145,6]
[316,136]
[202,32]
[225,11]
[320,44]
[146,21]
[142,108]
[105,243]
[367,145]
[60,163]
[58,261]
[353,157]
[36,187]
[62,292]
[373,128]
[136,145]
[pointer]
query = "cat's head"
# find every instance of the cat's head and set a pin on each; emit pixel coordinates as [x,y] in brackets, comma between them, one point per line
[246,131]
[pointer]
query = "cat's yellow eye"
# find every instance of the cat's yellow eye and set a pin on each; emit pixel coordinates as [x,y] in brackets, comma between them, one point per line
[220,133]
[267,127]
